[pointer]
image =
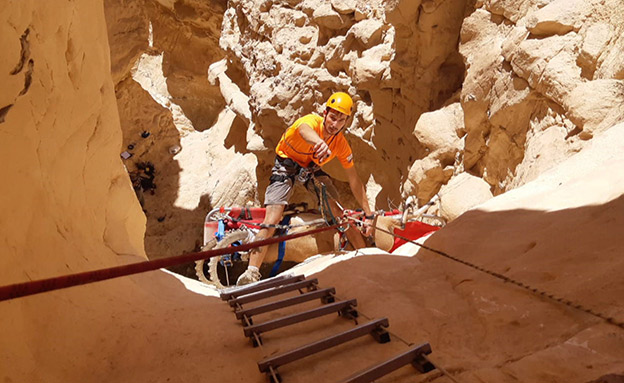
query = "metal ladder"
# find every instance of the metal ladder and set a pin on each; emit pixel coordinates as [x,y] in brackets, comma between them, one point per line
[309,291]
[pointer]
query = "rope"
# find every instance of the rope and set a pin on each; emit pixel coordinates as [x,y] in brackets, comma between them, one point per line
[505,278]
[327,212]
[315,222]
[440,368]
[324,203]
[43,285]
[255,335]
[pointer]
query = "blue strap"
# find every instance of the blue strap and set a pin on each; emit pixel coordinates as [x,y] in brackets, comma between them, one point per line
[281,249]
[220,230]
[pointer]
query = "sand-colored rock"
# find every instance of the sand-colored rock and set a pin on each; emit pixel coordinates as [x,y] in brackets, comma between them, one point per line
[344,7]
[555,234]
[512,10]
[60,199]
[325,16]
[606,109]
[542,76]
[610,64]
[368,70]
[367,32]
[425,178]
[558,17]
[68,206]
[595,41]
[549,65]
[441,130]
[461,194]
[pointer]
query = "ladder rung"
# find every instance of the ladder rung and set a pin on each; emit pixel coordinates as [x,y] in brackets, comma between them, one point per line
[308,283]
[321,345]
[299,317]
[375,372]
[260,286]
[286,302]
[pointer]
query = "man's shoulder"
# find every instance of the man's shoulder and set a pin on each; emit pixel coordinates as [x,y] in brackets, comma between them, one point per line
[311,119]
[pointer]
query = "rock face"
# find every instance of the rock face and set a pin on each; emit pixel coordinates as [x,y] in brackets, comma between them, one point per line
[173,118]
[543,80]
[398,59]
[64,181]
[68,206]
[559,233]
[500,90]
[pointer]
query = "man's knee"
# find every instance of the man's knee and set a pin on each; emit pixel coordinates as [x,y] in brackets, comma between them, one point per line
[273,214]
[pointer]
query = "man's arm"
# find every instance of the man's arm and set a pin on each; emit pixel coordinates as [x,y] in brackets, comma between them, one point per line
[359,192]
[320,148]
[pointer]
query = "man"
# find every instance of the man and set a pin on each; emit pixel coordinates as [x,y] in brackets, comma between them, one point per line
[311,142]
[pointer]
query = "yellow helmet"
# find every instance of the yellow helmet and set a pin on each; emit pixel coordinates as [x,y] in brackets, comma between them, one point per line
[341,102]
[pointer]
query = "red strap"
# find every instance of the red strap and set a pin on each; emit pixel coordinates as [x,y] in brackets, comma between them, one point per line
[413,230]
[35,287]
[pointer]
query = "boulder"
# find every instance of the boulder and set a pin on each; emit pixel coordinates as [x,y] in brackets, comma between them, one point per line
[367,32]
[559,17]
[462,193]
[425,178]
[605,109]
[325,16]
[549,65]
[367,70]
[513,10]
[440,131]
[344,7]
[595,42]
[611,61]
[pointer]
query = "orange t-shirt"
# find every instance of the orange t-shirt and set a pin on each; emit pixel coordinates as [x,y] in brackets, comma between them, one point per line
[293,146]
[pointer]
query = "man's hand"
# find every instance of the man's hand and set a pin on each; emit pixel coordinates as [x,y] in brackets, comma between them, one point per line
[321,151]
[368,226]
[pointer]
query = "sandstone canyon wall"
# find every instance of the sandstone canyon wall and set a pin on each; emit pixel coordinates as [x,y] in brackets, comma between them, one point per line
[67,206]
[65,188]
[453,97]
[83,80]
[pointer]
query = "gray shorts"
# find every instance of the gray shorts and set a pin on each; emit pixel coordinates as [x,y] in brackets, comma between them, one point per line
[285,173]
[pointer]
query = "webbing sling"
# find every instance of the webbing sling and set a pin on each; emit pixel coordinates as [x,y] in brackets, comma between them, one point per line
[281,248]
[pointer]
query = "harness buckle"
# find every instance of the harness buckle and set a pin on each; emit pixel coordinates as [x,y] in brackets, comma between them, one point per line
[305,174]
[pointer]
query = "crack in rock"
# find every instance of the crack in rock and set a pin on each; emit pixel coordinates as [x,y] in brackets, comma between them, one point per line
[24,55]
[3,112]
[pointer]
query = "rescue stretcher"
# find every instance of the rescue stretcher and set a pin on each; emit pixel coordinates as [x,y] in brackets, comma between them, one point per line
[238,225]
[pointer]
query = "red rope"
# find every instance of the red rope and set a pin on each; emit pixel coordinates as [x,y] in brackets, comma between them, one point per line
[35,287]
